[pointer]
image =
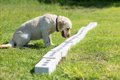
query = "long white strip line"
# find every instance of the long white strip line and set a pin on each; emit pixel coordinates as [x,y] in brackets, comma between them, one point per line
[45,66]
[51,59]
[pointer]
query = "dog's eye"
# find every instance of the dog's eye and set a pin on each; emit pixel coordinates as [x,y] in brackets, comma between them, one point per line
[68,28]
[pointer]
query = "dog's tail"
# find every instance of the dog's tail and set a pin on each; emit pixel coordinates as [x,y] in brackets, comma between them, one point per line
[5,46]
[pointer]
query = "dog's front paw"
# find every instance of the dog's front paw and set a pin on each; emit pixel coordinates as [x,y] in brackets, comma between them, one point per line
[47,44]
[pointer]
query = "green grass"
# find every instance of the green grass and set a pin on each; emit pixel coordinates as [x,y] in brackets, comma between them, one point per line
[97,57]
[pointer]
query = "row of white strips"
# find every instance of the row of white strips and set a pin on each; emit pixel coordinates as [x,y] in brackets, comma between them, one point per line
[51,59]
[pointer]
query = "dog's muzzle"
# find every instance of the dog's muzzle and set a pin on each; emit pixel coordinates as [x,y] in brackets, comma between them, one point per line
[65,34]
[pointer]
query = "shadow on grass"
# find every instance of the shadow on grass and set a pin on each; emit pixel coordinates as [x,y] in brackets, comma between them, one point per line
[97,4]
[32,71]
[31,46]
[84,3]
[35,46]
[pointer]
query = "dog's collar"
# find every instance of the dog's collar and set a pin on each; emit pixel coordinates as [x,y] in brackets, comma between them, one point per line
[57,24]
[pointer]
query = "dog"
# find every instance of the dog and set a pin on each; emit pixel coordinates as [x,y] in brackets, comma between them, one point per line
[40,28]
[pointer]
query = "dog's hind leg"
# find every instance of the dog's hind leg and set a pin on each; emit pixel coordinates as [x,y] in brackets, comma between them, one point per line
[21,39]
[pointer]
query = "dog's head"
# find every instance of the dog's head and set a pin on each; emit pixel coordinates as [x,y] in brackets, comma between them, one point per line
[64,26]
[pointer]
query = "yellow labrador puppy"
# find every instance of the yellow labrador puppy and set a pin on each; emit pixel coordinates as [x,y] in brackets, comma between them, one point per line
[40,28]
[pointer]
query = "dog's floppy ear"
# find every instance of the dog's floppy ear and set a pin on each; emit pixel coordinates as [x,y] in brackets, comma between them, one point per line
[61,24]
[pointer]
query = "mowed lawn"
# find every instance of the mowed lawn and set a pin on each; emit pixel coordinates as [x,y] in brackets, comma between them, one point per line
[97,57]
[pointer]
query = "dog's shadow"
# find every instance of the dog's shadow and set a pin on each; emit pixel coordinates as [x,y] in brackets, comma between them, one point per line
[35,46]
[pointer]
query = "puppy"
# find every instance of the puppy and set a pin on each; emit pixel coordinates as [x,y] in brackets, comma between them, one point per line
[40,28]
